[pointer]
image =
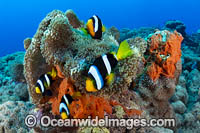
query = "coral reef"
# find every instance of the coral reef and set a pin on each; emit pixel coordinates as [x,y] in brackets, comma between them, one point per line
[186,102]
[14,105]
[12,66]
[193,86]
[84,106]
[12,116]
[179,107]
[16,68]
[193,40]
[141,32]
[148,84]
[143,85]
[12,81]
[187,90]
[176,25]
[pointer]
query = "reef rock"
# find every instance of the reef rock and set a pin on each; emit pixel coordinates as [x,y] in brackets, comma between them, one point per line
[27,43]
[57,43]
[14,92]
[12,116]
[143,32]
[114,31]
[187,91]
[73,19]
[12,81]
[193,85]
[193,40]
[179,107]
[12,66]
[190,58]
[190,121]
[180,94]
[158,82]
[176,25]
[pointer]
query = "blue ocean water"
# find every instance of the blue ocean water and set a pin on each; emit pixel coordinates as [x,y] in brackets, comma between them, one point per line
[20,18]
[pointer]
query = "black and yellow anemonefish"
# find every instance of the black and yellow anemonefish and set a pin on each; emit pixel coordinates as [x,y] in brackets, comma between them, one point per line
[101,71]
[64,106]
[95,27]
[44,82]
[65,103]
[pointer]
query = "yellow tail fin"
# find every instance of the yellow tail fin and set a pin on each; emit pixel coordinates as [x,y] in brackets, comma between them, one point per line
[124,50]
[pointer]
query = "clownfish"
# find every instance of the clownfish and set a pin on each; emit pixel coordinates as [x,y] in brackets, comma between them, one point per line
[65,103]
[95,27]
[44,82]
[101,71]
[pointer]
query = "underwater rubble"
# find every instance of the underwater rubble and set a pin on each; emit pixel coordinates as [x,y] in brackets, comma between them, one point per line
[159,80]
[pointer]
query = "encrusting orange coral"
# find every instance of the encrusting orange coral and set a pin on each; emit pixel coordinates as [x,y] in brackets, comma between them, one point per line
[166,54]
[90,106]
[85,105]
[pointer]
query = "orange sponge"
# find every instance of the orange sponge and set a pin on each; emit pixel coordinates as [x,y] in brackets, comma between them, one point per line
[83,106]
[154,71]
[90,106]
[167,53]
[65,87]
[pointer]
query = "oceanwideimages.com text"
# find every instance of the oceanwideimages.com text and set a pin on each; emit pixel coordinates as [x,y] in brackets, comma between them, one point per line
[130,123]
